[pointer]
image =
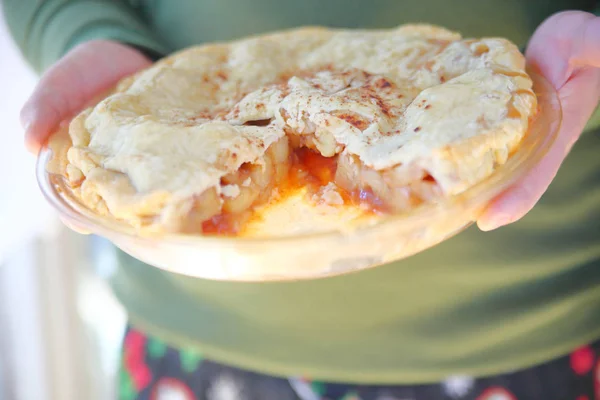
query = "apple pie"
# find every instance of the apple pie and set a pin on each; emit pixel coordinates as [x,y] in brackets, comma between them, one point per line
[382,119]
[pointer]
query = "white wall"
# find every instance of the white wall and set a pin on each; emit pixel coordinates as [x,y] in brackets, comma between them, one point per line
[22,215]
[60,326]
[22,209]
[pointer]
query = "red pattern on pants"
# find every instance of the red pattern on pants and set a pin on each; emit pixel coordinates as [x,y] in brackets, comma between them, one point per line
[150,369]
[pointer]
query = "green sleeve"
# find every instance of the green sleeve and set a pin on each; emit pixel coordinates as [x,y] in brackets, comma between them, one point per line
[594,122]
[45,30]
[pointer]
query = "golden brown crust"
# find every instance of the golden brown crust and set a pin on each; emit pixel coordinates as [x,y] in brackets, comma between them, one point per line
[396,105]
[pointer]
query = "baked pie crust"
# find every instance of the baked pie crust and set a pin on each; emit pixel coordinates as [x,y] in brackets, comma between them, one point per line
[387,118]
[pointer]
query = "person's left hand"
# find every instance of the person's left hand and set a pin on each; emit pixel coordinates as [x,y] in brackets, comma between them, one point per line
[566,50]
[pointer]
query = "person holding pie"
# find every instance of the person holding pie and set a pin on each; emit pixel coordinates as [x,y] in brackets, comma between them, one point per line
[507,314]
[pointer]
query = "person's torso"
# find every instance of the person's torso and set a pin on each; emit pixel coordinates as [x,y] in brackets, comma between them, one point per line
[183,23]
[478,303]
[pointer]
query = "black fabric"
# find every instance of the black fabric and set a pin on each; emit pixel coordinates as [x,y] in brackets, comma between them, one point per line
[152,370]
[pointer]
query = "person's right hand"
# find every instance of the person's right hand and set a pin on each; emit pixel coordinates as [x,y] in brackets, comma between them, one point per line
[69,85]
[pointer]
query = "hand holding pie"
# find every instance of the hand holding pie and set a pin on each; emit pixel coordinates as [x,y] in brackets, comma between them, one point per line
[566,50]
[86,72]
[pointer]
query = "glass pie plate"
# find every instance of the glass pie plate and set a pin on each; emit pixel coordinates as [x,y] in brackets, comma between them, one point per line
[317,255]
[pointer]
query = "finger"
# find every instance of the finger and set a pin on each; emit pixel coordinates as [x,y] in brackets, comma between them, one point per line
[67,86]
[564,42]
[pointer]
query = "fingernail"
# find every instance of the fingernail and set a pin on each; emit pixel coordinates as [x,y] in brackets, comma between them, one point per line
[494,222]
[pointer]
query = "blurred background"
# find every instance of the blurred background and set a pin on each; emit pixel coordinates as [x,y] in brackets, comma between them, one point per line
[60,327]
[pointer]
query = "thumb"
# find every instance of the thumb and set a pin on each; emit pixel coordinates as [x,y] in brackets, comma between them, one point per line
[67,86]
[564,42]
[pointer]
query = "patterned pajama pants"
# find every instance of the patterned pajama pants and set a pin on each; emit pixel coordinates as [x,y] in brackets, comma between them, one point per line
[152,370]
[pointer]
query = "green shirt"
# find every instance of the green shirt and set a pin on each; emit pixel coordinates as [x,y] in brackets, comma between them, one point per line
[480,303]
